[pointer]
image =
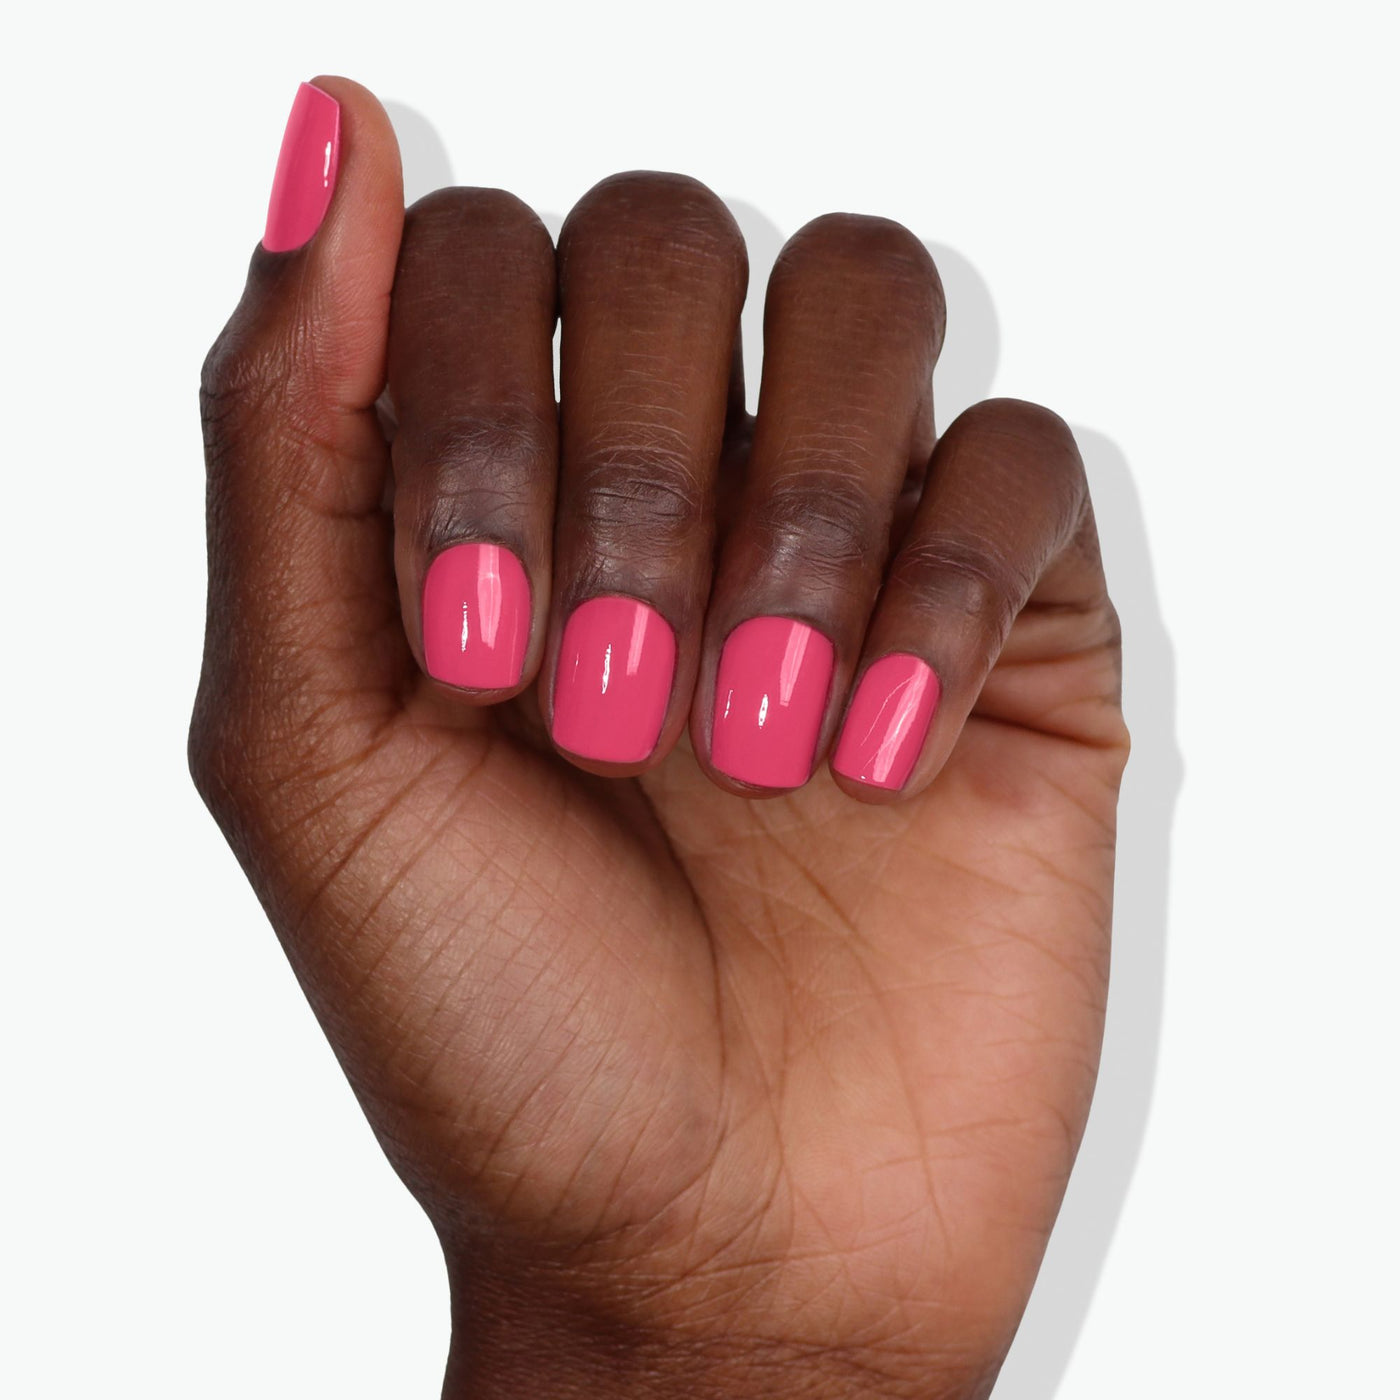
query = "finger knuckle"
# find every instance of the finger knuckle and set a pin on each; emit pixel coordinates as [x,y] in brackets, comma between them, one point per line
[464,219]
[962,579]
[478,468]
[824,520]
[1043,467]
[1030,422]
[650,212]
[241,375]
[643,496]
[862,242]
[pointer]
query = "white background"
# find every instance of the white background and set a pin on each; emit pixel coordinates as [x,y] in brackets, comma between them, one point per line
[1171,223]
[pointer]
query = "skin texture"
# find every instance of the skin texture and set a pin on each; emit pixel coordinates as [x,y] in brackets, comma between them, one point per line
[707,1091]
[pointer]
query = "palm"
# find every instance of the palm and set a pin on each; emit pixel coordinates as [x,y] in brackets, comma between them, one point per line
[785,1046]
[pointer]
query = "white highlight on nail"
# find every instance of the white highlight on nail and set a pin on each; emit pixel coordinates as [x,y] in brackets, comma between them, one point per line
[639,632]
[326,169]
[489,593]
[791,667]
[607,667]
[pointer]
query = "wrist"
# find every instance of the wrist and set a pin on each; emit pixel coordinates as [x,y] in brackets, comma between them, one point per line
[559,1342]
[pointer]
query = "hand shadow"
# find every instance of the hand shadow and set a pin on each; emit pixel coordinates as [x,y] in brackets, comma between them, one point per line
[1108,1157]
[1127,1073]
[426,164]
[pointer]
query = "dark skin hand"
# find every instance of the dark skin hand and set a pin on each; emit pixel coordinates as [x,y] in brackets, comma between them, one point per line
[709,1089]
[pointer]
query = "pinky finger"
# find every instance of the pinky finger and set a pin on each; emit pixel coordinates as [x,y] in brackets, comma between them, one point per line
[1003,522]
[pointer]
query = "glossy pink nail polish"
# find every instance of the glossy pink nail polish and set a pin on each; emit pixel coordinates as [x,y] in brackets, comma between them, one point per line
[887,722]
[306,169]
[774,675]
[476,617]
[614,680]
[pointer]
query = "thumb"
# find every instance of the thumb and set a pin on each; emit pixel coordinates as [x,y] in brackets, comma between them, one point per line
[302,601]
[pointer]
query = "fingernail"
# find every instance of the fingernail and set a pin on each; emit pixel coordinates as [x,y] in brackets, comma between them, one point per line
[887,722]
[774,675]
[476,617]
[306,166]
[614,680]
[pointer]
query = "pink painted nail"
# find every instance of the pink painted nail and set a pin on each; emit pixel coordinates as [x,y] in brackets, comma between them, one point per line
[306,167]
[476,617]
[774,675]
[887,722]
[614,680]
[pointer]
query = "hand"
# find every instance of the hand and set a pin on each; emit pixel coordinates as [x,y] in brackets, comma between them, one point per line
[705,1095]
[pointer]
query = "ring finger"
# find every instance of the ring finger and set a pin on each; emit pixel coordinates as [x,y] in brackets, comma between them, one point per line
[852,327]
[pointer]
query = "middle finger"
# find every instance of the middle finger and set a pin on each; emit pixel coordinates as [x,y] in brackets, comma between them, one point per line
[652,273]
